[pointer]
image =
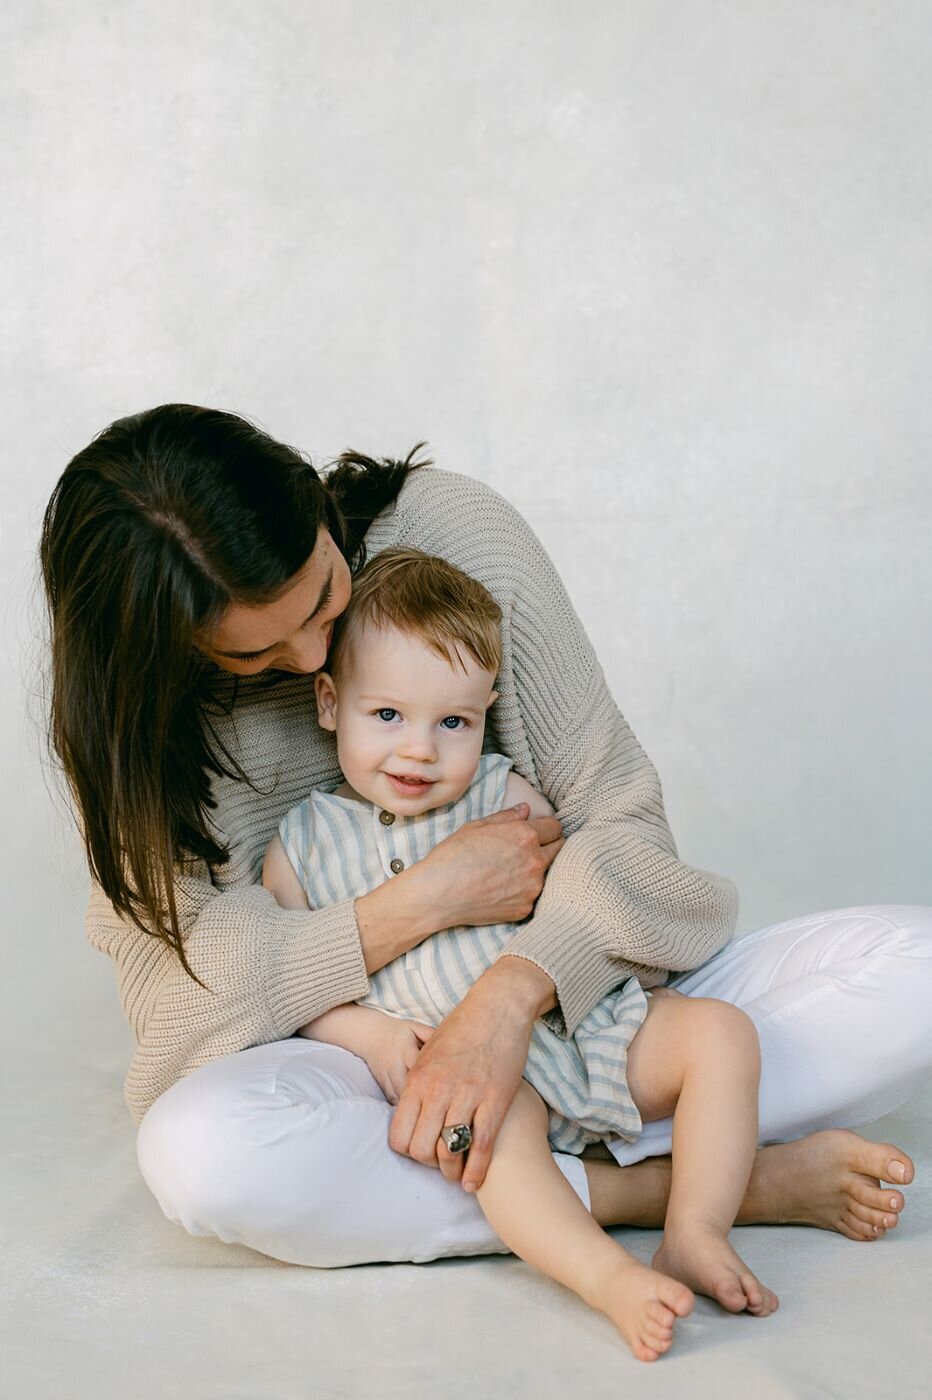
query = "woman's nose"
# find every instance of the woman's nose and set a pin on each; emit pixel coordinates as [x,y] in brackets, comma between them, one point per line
[308,654]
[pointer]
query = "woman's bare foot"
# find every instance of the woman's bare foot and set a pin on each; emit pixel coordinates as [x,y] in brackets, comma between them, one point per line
[831,1180]
[703,1259]
[643,1305]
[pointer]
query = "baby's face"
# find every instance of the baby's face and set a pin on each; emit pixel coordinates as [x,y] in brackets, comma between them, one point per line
[409,726]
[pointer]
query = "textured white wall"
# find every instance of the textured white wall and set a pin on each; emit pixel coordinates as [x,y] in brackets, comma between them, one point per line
[660,273]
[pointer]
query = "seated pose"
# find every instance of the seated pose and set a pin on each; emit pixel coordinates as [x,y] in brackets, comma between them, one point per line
[409,679]
[194,569]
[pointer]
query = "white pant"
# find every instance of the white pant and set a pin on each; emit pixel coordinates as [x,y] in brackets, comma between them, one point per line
[284,1147]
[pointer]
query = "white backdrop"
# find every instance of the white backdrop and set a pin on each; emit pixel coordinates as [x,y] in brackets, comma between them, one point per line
[661,274]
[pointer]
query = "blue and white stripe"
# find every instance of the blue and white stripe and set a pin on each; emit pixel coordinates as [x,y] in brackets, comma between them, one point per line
[341,849]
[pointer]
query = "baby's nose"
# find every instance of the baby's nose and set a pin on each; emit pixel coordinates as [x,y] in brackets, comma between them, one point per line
[419,745]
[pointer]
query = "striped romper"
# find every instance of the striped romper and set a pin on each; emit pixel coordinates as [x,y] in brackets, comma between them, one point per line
[342,848]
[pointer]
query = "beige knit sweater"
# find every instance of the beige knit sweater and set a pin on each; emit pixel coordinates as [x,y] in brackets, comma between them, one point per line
[617,899]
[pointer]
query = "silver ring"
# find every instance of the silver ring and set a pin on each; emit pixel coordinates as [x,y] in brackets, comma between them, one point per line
[457,1138]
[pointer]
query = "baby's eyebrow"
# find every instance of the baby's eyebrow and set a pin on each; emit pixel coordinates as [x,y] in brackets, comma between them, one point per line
[390,704]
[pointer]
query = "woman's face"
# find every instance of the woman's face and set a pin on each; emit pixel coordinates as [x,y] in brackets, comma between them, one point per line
[293,633]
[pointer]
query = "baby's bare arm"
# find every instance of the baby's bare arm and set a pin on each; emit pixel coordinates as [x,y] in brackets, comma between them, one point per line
[518,789]
[278,875]
[352,1027]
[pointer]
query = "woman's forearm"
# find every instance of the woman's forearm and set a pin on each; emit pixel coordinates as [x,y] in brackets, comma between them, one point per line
[489,871]
[395,917]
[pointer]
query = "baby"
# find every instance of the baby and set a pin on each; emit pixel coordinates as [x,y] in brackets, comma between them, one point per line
[410,677]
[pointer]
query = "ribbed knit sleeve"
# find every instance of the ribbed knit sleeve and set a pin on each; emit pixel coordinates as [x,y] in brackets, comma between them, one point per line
[266,971]
[617,900]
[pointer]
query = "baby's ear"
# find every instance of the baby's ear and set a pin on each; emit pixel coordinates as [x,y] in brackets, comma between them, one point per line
[326,694]
[491,700]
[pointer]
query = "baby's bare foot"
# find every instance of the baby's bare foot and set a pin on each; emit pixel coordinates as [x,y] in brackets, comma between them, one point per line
[703,1259]
[830,1179]
[644,1306]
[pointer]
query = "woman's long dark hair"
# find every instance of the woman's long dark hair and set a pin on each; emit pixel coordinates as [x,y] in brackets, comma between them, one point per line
[159,524]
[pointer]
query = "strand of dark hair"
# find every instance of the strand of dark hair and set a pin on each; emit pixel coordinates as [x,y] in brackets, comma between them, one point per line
[152,530]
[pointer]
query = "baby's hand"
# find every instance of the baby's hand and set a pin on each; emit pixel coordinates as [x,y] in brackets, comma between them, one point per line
[391,1050]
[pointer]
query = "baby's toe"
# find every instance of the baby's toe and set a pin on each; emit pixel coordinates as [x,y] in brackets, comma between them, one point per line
[729,1291]
[657,1331]
[660,1314]
[678,1298]
[768,1303]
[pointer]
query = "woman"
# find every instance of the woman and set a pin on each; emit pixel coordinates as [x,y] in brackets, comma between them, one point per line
[194,568]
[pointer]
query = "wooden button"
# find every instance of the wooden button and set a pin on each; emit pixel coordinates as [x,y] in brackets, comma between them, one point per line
[397,866]
[386,818]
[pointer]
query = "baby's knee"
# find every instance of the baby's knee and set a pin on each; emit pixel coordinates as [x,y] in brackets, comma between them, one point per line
[721,1024]
[527,1110]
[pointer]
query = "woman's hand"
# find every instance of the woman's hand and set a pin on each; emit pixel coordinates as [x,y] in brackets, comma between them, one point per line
[469,1071]
[488,872]
[492,870]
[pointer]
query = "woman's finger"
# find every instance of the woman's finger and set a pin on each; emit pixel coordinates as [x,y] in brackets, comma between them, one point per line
[404,1121]
[422,1031]
[485,1128]
[426,1142]
[549,834]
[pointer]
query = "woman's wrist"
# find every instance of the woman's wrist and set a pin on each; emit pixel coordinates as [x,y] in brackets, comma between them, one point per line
[395,917]
[526,988]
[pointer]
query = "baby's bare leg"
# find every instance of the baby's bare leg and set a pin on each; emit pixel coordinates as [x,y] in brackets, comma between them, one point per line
[700,1060]
[532,1206]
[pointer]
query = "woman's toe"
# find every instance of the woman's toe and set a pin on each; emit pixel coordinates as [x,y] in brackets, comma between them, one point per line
[876,1197]
[899,1166]
[854,1228]
[878,1218]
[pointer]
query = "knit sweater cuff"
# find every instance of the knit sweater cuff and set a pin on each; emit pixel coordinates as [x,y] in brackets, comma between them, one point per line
[581,973]
[315,963]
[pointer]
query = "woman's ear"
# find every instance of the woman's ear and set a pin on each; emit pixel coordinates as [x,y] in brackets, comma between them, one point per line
[326,694]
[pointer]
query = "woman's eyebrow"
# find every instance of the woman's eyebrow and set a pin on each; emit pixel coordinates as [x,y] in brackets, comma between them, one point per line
[322,598]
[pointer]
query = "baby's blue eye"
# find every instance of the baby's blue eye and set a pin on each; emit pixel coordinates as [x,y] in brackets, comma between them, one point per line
[453,721]
[387,714]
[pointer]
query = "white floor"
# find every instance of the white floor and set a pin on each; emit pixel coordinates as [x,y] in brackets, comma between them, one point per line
[103,1297]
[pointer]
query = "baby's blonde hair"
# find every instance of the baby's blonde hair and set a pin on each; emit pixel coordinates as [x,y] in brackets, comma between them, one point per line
[423,596]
